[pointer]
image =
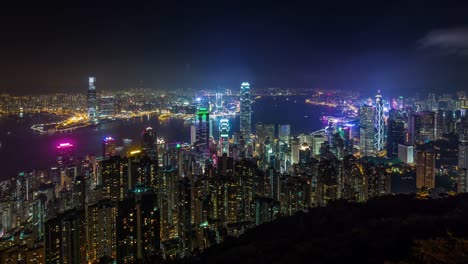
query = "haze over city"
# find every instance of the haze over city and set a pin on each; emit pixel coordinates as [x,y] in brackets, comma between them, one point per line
[232,133]
[392,47]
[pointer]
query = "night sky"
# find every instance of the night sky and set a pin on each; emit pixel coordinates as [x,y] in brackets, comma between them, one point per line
[395,48]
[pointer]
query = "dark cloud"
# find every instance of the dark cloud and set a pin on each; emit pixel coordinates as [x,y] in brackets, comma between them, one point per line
[452,41]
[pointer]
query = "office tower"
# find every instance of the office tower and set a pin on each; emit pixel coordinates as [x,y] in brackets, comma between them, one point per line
[424,127]
[102,232]
[264,132]
[65,238]
[463,167]
[107,106]
[138,226]
[379,136]
[401,103]
[149,143]
[219,102]
[366,138]
[346,133]
[245,111]
[406,153]
[224,136]
[445,123]
[284,132]
[396,134]
[317,141]
[65,154]
[202,130]
[295,150]
[92,100]
[425,169]
[304,153]
[109,147]
[193,135]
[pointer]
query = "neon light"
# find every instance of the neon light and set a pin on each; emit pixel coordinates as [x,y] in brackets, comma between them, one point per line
[135,152]
[65,145]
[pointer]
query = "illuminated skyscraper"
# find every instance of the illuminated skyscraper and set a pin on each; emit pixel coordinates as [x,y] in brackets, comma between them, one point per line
[219,101]
[65,155]
[113,178]
[424,127]
[401,103]
[149,143]
[137,226]
[65,238]
[425,169]
[396,133]
[295,150]
[406,153]
[101,225]
[107,106]
[284,132]
[265,131]
[366,139]
[463,167]
[245,110]
[224,135]
[317,141]
[108,147]
[202,130]
[92,100]
[379,124]
[193,135]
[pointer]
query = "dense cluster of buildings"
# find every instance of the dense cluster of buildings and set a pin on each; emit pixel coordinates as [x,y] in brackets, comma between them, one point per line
[173,200]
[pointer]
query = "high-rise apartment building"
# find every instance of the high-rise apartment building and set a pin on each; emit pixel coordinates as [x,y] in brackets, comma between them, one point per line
[425,169]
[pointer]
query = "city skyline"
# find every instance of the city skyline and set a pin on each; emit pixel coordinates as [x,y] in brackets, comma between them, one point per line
[206,134]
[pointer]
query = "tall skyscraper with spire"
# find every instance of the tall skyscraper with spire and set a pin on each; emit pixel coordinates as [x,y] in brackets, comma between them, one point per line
[245,110]
[379,136]
[92,100]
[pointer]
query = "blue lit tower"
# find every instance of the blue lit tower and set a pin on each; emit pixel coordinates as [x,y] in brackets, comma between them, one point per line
[245,110]
[379,123]
[92,100]
[219,102]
